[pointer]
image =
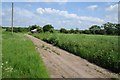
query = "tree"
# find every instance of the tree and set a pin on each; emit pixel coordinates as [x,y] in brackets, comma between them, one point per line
[77,30]
[39,30]
[8,29]
[51,30]
[63,30]
[72,31]
[86,31]
[109,28]
[94,29]
[47,28]
[117,31]
[33,27]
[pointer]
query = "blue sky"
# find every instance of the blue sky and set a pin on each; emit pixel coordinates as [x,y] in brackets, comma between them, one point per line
[60,14]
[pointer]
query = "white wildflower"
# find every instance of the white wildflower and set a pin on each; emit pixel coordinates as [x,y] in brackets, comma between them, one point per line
[6,62]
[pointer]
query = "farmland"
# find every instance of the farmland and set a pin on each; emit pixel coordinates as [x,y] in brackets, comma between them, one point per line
[99,49]
[20,59]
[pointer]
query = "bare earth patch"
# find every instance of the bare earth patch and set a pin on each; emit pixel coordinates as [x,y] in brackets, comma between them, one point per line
[62,64]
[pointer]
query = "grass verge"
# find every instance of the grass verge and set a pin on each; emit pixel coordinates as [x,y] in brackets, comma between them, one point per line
[20,59]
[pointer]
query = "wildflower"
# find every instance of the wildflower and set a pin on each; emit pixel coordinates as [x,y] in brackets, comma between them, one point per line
[6,62]
[112,50]
[7,69]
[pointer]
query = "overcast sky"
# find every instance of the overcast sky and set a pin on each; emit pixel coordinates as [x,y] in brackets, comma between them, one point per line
[60,14]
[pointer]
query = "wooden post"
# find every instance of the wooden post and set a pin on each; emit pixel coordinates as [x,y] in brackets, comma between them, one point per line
[12,17]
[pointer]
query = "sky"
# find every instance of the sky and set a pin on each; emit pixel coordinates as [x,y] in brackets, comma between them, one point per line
[69,15]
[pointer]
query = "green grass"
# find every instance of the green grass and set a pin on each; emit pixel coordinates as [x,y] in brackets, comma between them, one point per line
[20,59]
[0,52]
[99,49]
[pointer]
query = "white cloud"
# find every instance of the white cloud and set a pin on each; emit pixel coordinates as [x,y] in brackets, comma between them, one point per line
[21,17]
[112,8]
[60,0]
[29,5]
[48,0]
[112,15]
[32,0]
[55,0]
[58,18]
[3,13]
[54,11]
[36,1]
[92,7]
[111,18]
[92,19]
[66,14]
[24,13]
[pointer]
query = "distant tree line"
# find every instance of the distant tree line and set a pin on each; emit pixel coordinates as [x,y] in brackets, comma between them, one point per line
[106,29]
[16,29]
[46,28]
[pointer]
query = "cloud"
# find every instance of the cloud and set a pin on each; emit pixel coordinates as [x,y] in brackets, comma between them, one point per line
[61,0]
[92,7]
[32,0]
[28,5]
[24,13]
[55,0]
[68,15]
[112,15]
[92,19]
[54,11]
[3,13]
[111,18]
[112,8]
[22,17]
[58,18]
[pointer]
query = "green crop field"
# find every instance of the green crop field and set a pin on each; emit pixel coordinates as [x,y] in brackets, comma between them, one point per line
[20,59]
[99,49]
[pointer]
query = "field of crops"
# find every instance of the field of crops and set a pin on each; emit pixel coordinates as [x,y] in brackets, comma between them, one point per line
[99,49]
[20,59]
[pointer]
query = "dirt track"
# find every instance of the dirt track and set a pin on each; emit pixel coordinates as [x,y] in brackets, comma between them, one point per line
[62,64]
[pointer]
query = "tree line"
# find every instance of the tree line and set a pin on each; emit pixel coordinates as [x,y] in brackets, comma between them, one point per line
[46,28]
[106,29]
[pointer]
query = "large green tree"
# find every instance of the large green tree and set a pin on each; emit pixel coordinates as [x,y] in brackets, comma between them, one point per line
[48,28]
[63,30]
[94,29]
[109,28]
[117,30]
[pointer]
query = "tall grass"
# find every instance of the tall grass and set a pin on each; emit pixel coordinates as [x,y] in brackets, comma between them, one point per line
[99,49]
[20,59]
[0,52]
